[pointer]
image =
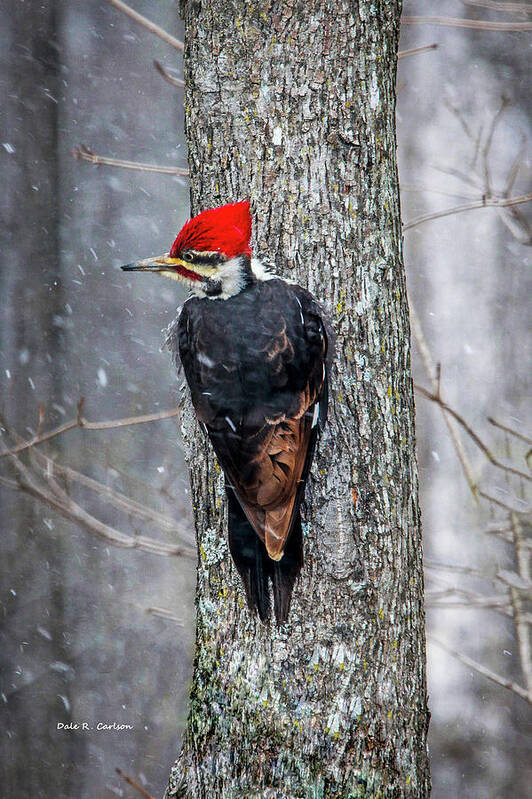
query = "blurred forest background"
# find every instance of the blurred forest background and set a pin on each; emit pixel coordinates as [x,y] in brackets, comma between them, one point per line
[99,632]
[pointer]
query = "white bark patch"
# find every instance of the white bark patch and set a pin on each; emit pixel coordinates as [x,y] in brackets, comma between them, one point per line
[374,94]
[277,137]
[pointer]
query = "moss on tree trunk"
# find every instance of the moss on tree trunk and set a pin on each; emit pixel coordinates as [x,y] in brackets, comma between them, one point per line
[292,104]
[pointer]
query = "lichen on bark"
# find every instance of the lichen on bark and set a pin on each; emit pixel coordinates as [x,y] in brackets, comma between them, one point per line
[292,104]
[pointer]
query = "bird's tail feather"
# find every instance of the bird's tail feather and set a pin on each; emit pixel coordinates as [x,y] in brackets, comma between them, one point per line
[257,569]
[286,571]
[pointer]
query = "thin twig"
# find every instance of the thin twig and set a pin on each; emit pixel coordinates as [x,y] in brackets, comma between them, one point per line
[455,110]
[168,78]
[146,794]
[474,24]
[164,613]
[507,537]
[416,50]
[510,430]
[485,672]
[148,24]
[431,190]
[470,180]
[501,504]
[521,626]
[63,428]
[130,420]
[86,154]
[119,500]
[431,371]
[451,567]
[60,501]
[80,421]
[498,526]
[5,481]
[74,512]
[473,600]
[435,397]
[514,169]
[494,5]
[489,140]
[477,147]
[483,202]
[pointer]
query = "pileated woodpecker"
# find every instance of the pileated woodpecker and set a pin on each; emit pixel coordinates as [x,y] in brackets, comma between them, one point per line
[254,352]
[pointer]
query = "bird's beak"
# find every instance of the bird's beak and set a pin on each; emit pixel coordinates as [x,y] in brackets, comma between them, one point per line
[158,264]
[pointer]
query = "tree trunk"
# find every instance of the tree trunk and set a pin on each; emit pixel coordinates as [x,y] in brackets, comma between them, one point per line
[292,104]
[33,320]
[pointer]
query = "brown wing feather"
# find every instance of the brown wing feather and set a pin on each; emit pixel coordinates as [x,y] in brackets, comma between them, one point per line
[268,499]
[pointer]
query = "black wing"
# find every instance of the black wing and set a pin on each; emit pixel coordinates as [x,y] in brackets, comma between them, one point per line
[256,365]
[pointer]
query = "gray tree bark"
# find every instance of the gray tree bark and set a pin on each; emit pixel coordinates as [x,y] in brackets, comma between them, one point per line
[292,104]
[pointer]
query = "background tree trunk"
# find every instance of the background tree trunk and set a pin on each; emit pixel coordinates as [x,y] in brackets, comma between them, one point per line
[292,104]
[33,321]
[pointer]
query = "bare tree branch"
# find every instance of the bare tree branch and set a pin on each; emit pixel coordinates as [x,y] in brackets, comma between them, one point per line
[470,180]
[514,169]
[143,792]
[499,610]
[80,421]
[5,481]
[74,512]
[457,112]
[39,439]
[477,140]
[494,5]
[517,224]
[489,140]
[483,202]
[119,500]
[432,190]
[511,603]
[416,50]
[164,613]
[435,397]
[498,526]
[474,600]
[502,504]
[510,430]
[432,373]
[146,23]
[474,24]
[85,154]
[515,221]
[451,567]
[56,498]
[168,78]
[521,625]
[485,672]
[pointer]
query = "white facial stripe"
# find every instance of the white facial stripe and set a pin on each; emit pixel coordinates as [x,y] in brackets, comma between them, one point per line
[173,275]
[229,273]
[202,269]
[231,277]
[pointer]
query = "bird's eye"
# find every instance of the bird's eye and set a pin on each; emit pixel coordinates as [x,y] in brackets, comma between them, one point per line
[187,256]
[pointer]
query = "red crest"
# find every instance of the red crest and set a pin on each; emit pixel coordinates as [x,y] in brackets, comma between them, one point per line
[226,229]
